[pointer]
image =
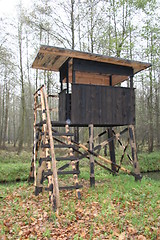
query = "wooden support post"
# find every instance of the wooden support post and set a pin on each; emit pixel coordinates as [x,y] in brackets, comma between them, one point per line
[134,151]
[131,81]
[67,96]
[61,81]
[110,80]
[73,73]
[34,148]
[112,149]
[76,139]
[105,150]
[91,147]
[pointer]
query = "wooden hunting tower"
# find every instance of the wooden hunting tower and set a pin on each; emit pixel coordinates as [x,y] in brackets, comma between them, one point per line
[92,93]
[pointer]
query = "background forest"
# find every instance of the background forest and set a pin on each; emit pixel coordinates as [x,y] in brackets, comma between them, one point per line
[126,28]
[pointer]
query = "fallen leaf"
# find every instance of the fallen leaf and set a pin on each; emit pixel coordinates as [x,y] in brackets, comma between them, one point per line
[122,236]
[131,230]
[20,233]
[3,237]
[141,237]
[33,219]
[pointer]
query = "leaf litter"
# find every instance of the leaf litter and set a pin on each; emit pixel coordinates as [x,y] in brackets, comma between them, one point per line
[24,216]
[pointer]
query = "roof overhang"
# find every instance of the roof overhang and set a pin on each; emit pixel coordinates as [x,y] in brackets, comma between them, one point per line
[52,58]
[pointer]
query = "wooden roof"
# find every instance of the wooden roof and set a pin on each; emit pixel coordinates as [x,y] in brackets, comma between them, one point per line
[52,58]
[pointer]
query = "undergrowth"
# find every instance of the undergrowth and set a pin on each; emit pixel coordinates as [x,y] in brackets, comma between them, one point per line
[14,167]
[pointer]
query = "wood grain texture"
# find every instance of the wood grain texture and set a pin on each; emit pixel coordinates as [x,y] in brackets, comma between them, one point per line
[46,59]
[102,105]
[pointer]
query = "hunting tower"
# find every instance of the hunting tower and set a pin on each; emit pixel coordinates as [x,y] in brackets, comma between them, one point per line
[91,95]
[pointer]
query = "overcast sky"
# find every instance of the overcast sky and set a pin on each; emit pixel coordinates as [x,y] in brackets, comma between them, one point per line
[8,7]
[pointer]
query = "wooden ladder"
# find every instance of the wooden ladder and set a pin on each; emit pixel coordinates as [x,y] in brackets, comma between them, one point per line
[45,137]
[43,142]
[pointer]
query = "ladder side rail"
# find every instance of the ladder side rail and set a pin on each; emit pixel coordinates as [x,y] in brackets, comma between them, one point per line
[54,169]
[45,140]
[34,148]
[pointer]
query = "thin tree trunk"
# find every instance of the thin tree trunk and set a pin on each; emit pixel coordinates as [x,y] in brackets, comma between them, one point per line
[21,132]
[72,22]
[6,116]
[150,140]
[14,121]
[2,119]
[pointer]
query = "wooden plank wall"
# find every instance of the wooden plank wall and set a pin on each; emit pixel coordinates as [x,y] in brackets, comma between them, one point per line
[62,106]
[102,105]
[94,78]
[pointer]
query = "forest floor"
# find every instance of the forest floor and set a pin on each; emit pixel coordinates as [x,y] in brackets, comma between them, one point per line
[117,208]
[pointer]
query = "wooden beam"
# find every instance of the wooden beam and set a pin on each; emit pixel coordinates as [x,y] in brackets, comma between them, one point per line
[54,168]
[131,81]
[110,80]
[91,147]
[34,148]
[73,78]
[61,81]
[134,150]
[76,139]
[103,68]
[67,96]
[112,150]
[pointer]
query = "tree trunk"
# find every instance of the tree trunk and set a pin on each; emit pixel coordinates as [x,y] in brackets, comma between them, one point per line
[21,129]
[6,116]
[2,119]
[72,22]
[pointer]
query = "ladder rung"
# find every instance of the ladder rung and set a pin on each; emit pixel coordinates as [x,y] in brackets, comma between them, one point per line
[62,134]
[49,173]
[53,95]
[55,134]
[70,187]
[45,145]
[40,124]
[58,124]
[64,167]
[66,158]
[64,146]
[47,159]
[68,172]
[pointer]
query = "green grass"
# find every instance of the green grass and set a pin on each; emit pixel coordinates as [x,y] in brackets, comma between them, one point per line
[149,161]
[117,205]
[14,167]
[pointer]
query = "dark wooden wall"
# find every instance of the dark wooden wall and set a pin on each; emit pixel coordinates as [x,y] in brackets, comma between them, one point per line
[62,106]
[88,72]
[102,105]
